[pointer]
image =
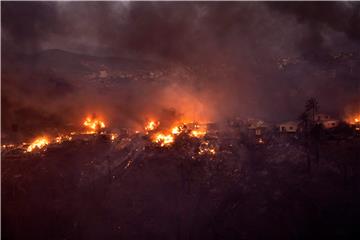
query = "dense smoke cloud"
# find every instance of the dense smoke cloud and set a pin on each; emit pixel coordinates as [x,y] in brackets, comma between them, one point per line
[221,59]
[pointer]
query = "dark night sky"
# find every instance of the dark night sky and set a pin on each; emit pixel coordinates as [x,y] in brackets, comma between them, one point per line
[172,30]
[251,39]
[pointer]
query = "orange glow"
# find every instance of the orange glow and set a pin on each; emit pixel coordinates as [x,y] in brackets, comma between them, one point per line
[93,124]
[354,119]
[152,125]
[163,139]
[63,138]
[166,137]
[198,133]
[113,136]
[38,143]
[206,149]
[7,145]
[177,129]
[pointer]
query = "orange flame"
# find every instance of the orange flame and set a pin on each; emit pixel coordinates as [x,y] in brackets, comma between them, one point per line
[198,133]
[38,143]
[62,138]
[167,137]
[353,119]
[163,139]
[177,129]
[113,136]
[152,125]
[93,124]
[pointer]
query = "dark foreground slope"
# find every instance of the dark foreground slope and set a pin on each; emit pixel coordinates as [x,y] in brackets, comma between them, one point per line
[101,190]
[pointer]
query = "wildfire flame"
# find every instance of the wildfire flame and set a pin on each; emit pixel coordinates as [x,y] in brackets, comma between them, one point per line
[93,124]
[167,137]
[353,118]
[113,136]
[152,125]
[163,139]
[63,138]
[38,143]
[177,129]
[198,133]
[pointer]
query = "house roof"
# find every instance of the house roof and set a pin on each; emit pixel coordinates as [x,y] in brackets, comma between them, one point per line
[289,123]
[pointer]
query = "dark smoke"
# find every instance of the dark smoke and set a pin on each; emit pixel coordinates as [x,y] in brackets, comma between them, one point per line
[219,59]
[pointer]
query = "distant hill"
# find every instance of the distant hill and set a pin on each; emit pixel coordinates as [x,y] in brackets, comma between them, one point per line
[68,62]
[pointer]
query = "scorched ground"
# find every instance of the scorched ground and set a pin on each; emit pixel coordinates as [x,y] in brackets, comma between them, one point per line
[219,186]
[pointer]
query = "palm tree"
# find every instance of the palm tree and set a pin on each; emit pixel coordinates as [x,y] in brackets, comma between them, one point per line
[304,122]
[312,132]
[307,121]
[312,106]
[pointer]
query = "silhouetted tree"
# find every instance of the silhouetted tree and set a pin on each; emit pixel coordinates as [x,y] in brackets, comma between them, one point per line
[315,136]
[304,124]
[311,130]
[312,107]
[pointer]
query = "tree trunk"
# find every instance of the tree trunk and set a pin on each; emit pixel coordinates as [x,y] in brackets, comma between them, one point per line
[308,160]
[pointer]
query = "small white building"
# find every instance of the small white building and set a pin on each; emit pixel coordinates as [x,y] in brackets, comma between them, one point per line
[288,127]
[321,117]
[331,123]
[257,127]
[103,74]
[327,121]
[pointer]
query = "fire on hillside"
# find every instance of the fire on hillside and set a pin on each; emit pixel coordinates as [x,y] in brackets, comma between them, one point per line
[155,132]
[165,137]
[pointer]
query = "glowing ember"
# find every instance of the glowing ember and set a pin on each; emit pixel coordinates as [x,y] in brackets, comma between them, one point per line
[206,149]
[8,146]
[163,139]
[38,143]
[93,124]
[63,138]
[198,133]
[113,136]
[152,125]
